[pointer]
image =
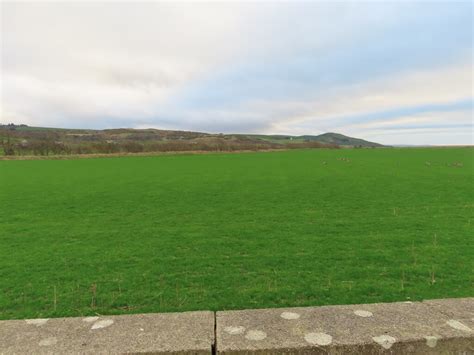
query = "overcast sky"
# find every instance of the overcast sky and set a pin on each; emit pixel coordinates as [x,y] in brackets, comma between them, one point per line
[391,72]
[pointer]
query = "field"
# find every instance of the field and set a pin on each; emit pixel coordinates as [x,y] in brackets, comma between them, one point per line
[234,231]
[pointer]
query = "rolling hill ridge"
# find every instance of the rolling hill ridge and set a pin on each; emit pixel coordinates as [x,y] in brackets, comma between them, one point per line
[25,140]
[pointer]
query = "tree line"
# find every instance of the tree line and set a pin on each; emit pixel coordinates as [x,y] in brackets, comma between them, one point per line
[44,143]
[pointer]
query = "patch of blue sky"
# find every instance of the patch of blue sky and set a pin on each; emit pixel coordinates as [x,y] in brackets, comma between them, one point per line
[427,36]
[463,104]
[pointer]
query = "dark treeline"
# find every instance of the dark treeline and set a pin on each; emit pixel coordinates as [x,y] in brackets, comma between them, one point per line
[46,148]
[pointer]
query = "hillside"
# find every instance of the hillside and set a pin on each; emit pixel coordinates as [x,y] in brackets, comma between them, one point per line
[341,140]
[25,140]
[325,138]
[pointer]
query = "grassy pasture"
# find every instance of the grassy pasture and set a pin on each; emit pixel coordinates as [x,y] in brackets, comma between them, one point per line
[233,231]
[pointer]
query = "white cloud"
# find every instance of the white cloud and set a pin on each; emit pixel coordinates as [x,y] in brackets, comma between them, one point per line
[89,60]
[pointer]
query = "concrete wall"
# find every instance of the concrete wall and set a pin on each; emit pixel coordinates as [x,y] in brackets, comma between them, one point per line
[429,327]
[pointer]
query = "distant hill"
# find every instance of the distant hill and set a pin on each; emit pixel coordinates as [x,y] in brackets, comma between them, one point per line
[325,138]
[341,140]
[25,140]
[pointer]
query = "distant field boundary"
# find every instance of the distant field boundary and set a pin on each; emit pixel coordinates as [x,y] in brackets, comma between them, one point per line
[143,154]
[197,152]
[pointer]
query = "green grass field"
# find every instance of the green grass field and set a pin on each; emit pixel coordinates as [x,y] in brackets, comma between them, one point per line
[234,231]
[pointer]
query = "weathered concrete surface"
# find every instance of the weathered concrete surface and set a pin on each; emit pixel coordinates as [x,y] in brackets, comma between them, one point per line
[169,333]
[430,327]
[438,327]
[461,309]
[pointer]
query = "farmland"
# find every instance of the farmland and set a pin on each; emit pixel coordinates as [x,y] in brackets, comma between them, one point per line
[234,231]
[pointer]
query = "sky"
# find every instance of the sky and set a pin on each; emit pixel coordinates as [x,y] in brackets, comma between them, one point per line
[390,72]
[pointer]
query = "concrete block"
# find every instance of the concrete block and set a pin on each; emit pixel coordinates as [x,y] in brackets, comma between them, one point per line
[391,328]
[164,333]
